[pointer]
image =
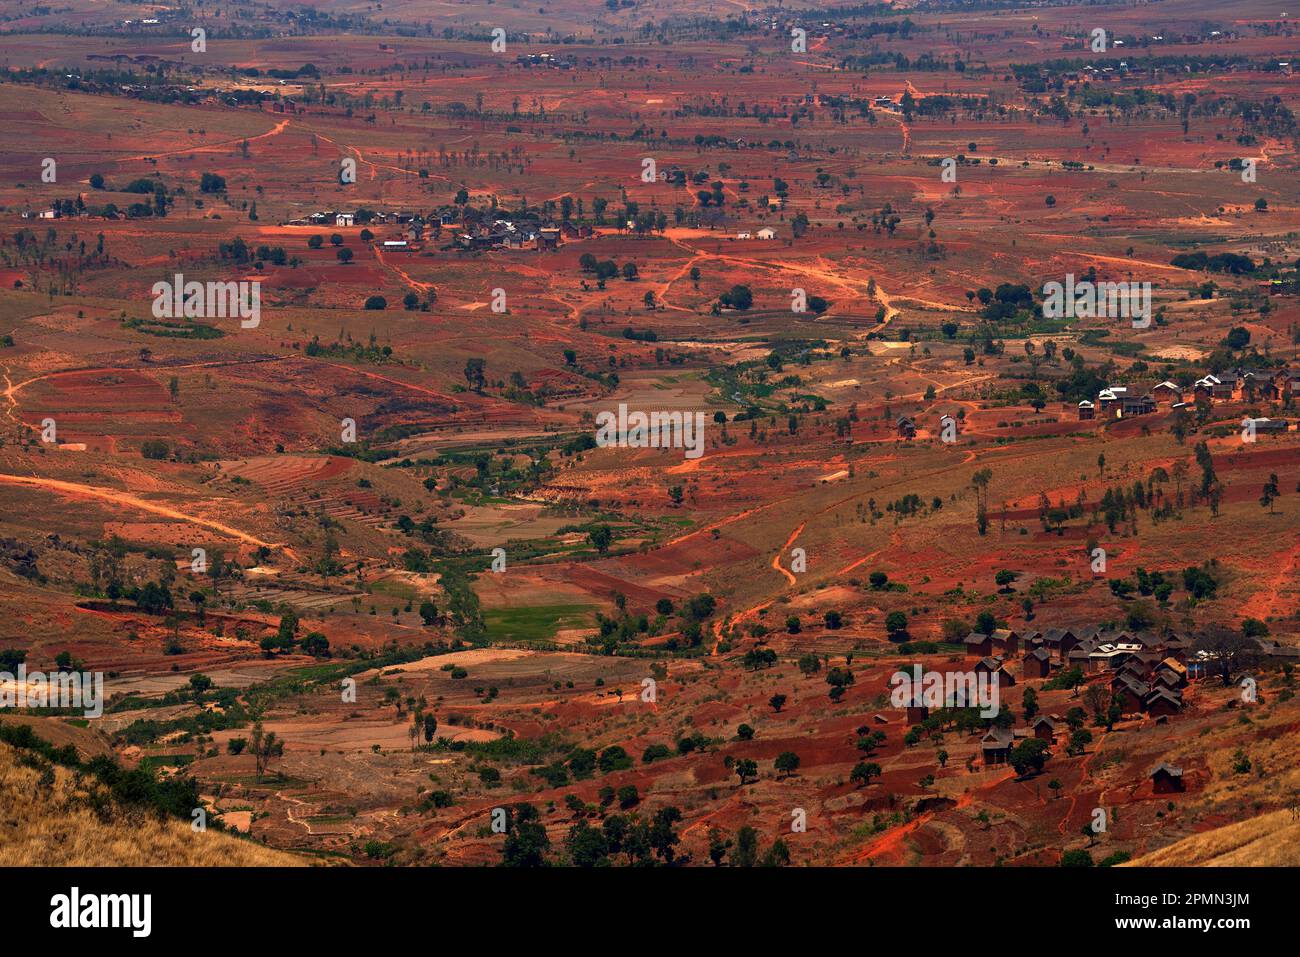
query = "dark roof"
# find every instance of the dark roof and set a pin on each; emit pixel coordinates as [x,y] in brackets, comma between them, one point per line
[997,738]
[1168,769]
[1165,693]
[1042,718]
[1139,688]
[1042,654]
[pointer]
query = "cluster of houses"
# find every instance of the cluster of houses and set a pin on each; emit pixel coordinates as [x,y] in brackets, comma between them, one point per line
[1147,676]
[415,223]
[1147,673]
[1239,385]
[488,234]
[503,234]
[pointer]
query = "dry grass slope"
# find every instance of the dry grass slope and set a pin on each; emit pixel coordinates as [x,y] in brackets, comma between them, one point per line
[50,825]
[1272,840]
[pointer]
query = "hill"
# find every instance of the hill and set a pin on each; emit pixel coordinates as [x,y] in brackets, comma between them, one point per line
[52,817]
[1272,840]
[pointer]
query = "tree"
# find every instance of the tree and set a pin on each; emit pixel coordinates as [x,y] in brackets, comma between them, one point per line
[287,634]
[526,841]
[738,297]
[863,772]
[1229,652]
[265,747]
[587,846]
[787,762]
[1029,756]
[1075,717]
[719,844]
[1270,493]
[745,853]
[475,369]
[430,727]
[153,599]
[154,449]
[428,612]
[601,537]
[345,256]
[1055,785]
[839,679]
[316,644]
[896,625]
[745,732]
[745,769]
[777,701]
[1096,698]
[1030,704]
[778,855]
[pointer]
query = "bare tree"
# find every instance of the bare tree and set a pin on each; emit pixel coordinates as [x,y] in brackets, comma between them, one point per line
[1230,652]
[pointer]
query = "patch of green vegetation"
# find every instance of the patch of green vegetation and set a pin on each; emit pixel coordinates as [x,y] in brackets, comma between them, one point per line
[395,587]
[521,750]
[153,762]
[172,329]
[534,622]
